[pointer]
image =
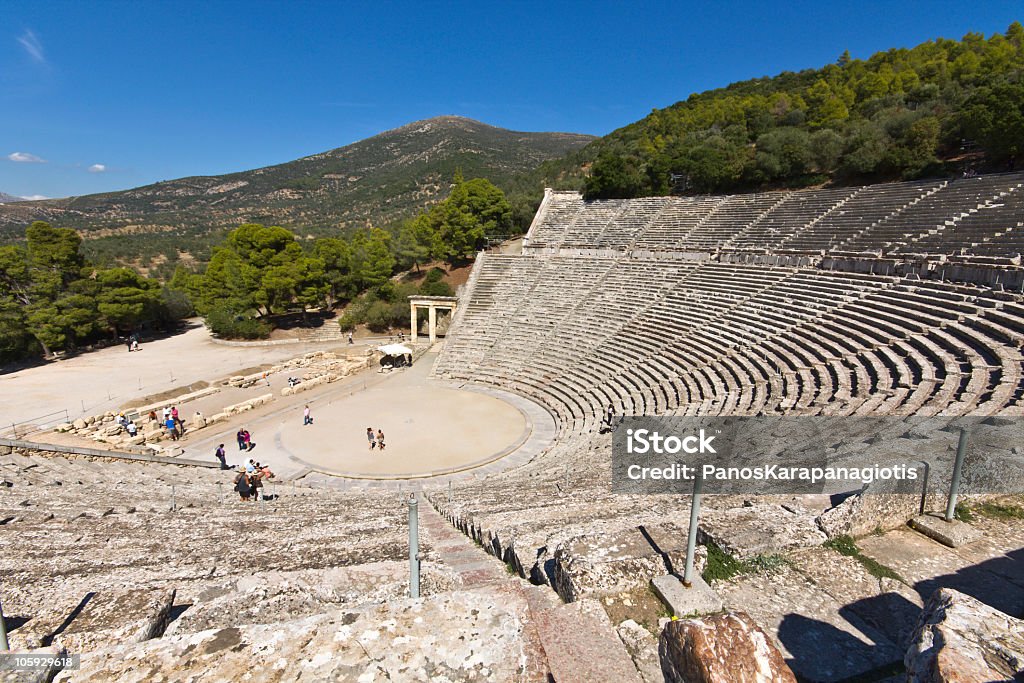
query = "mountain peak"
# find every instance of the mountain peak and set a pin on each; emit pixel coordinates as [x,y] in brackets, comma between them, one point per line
[377,181]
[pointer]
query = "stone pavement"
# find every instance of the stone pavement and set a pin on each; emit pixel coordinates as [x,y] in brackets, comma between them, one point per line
[106,379]
[833,619]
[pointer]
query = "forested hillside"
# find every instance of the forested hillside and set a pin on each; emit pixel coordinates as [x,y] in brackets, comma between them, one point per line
[941,107]
[376,182]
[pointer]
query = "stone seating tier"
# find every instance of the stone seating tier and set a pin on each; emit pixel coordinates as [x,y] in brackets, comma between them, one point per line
[978,217]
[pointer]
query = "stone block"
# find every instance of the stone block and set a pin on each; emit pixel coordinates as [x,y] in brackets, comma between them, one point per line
[603,564]
[643,650]
[64,427]
[720,649]
[953,533]
[108,618]
[959,638]
[759,529]
[80,424]
[699,598]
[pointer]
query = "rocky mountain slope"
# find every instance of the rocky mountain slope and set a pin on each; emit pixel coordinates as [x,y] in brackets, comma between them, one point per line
[375,181]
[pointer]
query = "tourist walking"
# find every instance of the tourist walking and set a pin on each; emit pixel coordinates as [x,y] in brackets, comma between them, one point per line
[242,484]
[307,419]
[350,338]
[177,420]
[222,456]
[255,482]
[240,436]
[371,438]
[380,439]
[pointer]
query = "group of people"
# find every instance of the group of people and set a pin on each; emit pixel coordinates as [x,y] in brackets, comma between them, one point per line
[244,438]
[133,343]
[172,423]
[128,424]
[250,478]
[376,440]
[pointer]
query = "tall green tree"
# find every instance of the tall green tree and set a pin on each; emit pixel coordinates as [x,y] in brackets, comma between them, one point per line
[52,299]
[371,262]
[261,269]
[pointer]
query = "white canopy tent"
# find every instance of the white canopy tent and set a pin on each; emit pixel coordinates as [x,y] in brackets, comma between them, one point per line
[395,350]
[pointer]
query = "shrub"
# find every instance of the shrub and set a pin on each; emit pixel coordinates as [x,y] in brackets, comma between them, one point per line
[229,325]
[436,289]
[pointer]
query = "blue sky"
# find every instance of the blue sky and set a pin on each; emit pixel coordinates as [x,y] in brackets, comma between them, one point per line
[111,95]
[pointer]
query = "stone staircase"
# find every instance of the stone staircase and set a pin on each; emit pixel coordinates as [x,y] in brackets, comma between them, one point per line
[571,643]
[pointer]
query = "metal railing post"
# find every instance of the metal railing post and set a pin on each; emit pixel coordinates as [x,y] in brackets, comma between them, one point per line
[4,645]
[691,539]
[958,466]
[414,547]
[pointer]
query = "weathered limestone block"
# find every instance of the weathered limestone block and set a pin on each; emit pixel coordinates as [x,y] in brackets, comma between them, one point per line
[463,636]
[64,427]
[959,638]
[238,408]
[91,420]
[80,424]
[217,417]
[112,430]
[643,650]
[198,421]
[722,648]
[760,528]
[864,512]
[601,564]
[107,618]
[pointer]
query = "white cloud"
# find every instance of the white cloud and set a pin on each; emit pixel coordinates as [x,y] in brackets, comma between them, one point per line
[25,158]
[34,197]
[97,168]
[33,47]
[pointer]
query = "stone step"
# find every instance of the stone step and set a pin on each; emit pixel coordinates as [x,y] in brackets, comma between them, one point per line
[579,641]
[82,623]
[820,636]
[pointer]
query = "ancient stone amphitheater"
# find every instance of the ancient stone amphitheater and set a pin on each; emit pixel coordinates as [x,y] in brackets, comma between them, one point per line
[890,300]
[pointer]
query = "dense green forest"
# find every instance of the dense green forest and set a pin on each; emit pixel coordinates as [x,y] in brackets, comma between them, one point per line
[53,299]
[902,113]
